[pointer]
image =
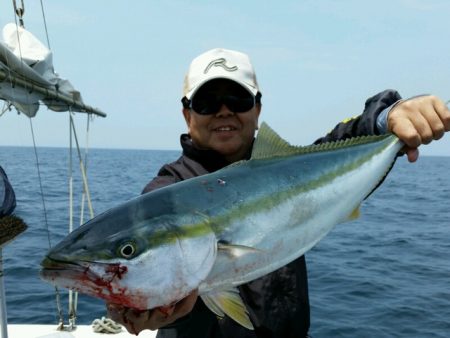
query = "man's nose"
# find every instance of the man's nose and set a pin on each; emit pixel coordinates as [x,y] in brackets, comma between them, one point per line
[224,111]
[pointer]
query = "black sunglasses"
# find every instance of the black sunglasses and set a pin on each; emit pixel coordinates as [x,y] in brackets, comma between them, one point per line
[209,103]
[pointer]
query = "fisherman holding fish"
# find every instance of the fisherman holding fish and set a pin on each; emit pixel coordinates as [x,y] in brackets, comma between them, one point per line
[222,106]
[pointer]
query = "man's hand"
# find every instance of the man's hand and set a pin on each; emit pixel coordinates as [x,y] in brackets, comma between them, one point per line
[136,321]
[419,121]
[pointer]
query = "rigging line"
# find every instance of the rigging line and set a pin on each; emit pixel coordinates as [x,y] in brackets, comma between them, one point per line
[6,107]
[73,296]
[73,308]
[57,294]
[40,182]
[19,11]
[86,149]
[20,49]
[70,176]
[7,59]
[72,303]
[83,172]
[45,25]
[59,309]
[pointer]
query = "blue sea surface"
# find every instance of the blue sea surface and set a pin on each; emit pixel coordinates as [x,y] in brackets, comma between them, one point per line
[386,274]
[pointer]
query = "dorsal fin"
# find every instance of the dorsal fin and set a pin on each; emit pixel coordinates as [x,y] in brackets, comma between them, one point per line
[269,144]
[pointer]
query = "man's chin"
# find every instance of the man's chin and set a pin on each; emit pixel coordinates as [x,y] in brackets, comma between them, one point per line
[231,152]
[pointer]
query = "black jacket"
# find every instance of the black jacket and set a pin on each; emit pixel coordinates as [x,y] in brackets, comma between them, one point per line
[7,196]
[278,303]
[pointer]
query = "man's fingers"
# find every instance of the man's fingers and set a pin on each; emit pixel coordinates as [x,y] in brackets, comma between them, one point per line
[423,125]
[135,320]
[434,115]
[443,112]
[176,311]
[186,305]
[167,310]
[412,154]
[406,131]
[430,116]
[419,120]
[115,312]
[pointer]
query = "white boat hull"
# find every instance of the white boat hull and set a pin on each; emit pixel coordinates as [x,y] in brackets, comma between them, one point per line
[82,331]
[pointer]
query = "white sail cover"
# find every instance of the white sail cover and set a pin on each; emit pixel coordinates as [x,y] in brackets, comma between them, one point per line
[25,57]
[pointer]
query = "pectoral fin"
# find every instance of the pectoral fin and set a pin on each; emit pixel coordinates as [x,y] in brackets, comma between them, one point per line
[236,251]
[228,302]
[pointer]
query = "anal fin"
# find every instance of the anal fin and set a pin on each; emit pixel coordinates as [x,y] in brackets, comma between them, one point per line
[230,303]
[355,214]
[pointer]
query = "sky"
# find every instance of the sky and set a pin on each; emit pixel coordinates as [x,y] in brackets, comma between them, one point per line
[317,61]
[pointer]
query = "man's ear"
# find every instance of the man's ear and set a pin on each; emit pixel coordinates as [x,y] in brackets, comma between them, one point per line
[187,116]
[258,112]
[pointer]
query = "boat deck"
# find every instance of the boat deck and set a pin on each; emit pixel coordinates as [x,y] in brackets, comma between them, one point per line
[82,331]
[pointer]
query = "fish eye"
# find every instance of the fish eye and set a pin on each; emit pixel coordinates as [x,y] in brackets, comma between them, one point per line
[127,250]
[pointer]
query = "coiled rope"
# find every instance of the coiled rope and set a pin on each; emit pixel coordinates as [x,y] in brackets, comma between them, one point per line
[106,325]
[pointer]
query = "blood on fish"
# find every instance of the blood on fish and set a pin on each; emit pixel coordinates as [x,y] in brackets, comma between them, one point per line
[117,270]
[103,286]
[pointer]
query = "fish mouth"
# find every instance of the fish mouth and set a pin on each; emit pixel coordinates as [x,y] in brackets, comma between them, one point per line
[54,269]
[92,278]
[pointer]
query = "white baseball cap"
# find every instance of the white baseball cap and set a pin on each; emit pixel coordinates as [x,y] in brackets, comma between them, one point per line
[220,63]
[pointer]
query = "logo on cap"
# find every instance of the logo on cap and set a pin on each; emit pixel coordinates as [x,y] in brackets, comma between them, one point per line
[220,63]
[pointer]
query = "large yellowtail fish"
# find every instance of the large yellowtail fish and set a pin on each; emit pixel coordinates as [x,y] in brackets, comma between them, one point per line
[218,231]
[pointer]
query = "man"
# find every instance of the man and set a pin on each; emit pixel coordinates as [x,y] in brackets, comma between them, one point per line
[221,106]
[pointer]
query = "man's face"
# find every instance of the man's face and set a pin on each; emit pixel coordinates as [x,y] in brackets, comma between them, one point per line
[223,130]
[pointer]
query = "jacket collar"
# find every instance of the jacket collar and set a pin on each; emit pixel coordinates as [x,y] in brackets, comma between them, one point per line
[211,160]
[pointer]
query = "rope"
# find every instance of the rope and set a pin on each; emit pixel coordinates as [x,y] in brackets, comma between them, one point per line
[73,296]
[6,107]
[83,195]
[72,305]
[57,295]
[83,171]
[20,11]
[106,325]
[45,25]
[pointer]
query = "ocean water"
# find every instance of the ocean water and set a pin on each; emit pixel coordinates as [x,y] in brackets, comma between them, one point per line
[386,274]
